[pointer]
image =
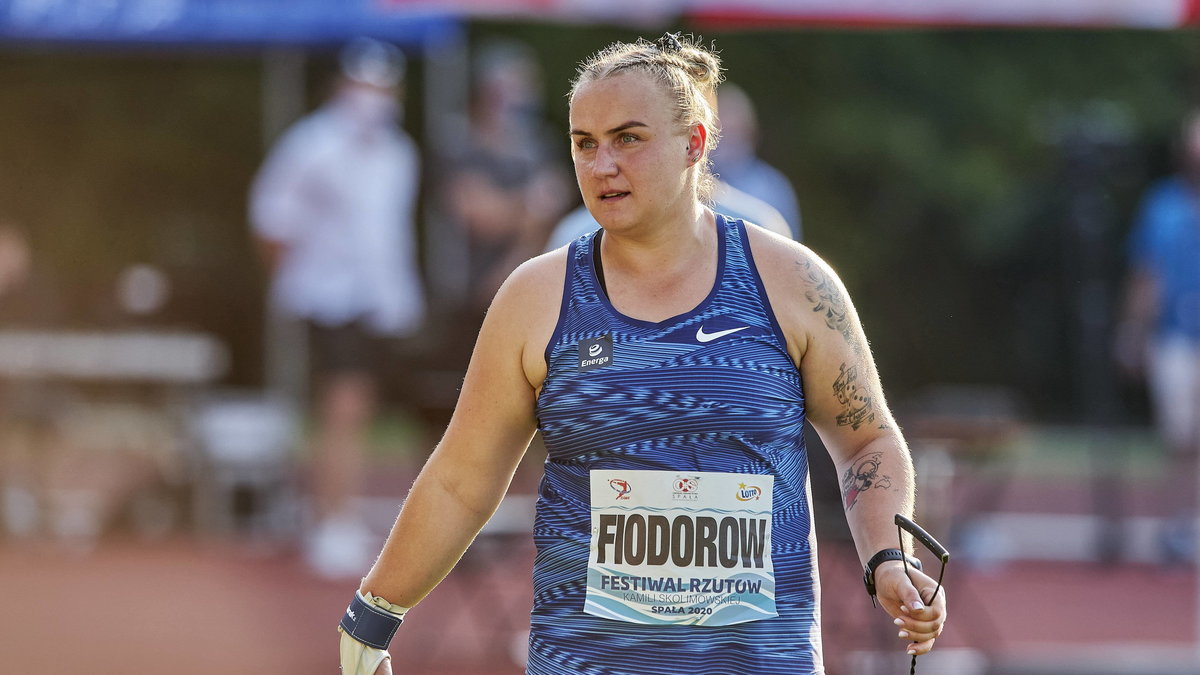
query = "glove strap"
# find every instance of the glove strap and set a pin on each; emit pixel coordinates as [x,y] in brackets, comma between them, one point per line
[369,624]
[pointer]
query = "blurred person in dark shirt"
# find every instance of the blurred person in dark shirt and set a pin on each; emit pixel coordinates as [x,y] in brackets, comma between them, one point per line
[505,188]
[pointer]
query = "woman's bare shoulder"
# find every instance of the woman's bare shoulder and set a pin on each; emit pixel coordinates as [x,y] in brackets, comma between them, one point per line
[806,294]
[780,259]
[538,280]
[526,306]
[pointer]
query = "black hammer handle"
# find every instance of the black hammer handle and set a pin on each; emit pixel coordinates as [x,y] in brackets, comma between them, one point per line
[923,537]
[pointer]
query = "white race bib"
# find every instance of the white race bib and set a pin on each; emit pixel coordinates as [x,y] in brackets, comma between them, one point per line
[681,547]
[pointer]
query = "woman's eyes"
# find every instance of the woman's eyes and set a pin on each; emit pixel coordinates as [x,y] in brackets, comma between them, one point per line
[590,144]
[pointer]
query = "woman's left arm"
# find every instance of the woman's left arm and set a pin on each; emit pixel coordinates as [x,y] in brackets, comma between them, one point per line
[845,404]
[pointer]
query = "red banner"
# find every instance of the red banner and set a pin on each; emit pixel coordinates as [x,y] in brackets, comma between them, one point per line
[1152,14]
[1157,14]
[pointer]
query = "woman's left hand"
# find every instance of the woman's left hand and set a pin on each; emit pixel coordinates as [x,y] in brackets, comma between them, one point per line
[919,616]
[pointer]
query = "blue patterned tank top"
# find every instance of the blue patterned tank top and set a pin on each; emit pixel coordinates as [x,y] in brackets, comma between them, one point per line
[711,390]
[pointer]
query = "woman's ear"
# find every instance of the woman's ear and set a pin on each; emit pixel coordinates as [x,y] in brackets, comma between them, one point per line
[697,139]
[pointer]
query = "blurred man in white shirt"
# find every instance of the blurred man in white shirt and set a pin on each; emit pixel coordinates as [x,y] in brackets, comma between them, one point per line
[333,209]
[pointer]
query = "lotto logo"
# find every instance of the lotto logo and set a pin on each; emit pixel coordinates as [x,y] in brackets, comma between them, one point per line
[746,493]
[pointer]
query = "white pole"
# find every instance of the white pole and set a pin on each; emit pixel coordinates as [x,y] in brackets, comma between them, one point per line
[446,125]
[285,346]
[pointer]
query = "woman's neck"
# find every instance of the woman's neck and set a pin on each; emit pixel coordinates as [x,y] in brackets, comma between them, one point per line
[665,277]
[663,249]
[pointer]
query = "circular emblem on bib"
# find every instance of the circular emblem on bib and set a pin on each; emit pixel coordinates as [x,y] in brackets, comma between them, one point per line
[686,485]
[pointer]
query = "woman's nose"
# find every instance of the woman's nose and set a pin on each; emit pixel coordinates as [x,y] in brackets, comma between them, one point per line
[604,163]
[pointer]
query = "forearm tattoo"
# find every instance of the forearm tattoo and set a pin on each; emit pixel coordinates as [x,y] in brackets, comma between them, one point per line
[859,408]
[862,476]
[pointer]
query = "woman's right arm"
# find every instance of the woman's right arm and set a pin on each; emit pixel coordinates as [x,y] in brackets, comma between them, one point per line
[468,473]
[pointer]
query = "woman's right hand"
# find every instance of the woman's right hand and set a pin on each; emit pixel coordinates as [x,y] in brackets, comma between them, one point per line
[359,659]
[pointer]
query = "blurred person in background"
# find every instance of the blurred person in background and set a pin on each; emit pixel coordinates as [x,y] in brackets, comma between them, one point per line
[19,463]
[15,259]
[333,209]
[737,163]
[31,294]
[505,187]
[1159,335]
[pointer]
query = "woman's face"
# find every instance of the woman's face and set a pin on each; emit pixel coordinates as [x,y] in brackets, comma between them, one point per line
[631,158]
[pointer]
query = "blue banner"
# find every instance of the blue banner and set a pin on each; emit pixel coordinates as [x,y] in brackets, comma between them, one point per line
[220,22]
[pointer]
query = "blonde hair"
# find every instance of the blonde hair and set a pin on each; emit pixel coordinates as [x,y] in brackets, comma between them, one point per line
[688,71]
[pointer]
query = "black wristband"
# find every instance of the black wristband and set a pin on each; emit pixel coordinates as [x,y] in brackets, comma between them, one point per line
[880,558]
[368,624]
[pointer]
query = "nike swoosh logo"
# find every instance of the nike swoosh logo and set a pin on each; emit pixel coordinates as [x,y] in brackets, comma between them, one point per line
[701,336]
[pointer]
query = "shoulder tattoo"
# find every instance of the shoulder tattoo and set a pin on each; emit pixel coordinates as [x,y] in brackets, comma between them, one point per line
[827,299]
